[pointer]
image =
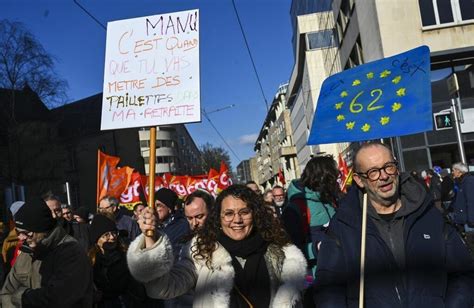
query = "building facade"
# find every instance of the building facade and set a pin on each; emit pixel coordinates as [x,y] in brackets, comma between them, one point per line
[243,172]
[313,39]
[56,150]
[370,30]
[176,151]
[274,147]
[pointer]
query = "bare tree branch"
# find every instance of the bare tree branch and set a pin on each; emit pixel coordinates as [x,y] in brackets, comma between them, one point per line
[24,61]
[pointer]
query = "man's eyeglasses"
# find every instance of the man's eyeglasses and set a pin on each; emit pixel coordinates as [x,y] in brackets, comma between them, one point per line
[245,213]
[110,234]
[373,174]
[25,233]
[104,208]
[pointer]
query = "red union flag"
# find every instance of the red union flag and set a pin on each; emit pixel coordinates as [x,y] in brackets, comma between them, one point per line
[281,177]
[213,182]
[110,179]
[344,173]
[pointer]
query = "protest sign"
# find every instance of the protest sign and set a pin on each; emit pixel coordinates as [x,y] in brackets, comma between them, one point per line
[385,98]
[151,74]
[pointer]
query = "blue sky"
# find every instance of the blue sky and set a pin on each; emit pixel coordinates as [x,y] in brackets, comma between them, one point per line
[227,76]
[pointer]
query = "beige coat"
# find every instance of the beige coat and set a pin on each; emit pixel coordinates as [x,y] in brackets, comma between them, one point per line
[165,279]
[25,275]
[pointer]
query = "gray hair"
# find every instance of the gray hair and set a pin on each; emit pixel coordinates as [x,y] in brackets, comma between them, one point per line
[112,200]
[462,167]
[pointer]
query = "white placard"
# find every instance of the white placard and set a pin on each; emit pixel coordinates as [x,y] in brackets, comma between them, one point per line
[151,74]
[468,125]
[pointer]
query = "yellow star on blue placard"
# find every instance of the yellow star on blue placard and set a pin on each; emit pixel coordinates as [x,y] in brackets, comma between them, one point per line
[397,79]
[385,73]
[401,92]
[384,120]
[396,106]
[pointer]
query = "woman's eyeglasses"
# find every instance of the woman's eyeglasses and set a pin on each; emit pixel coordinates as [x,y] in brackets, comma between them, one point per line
[245,213]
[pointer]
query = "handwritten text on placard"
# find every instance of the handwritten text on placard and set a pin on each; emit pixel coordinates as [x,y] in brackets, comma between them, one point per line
[151,72]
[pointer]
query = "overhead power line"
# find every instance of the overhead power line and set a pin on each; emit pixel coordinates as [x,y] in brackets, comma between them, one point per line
[250,54]
[218,133]
[90,15]
[203,111]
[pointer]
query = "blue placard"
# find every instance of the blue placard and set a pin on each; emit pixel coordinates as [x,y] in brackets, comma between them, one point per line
[385,98]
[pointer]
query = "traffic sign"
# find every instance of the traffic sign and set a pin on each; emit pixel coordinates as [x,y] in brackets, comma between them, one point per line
[453,86]
[443,120]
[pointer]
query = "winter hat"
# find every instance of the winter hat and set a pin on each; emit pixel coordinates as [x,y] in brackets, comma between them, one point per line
[100,225]
[15,207]
[437,169]
[167,197]
[35,216]
[82,212]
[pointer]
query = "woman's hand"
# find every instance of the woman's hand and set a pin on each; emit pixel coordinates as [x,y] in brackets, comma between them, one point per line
[148,221]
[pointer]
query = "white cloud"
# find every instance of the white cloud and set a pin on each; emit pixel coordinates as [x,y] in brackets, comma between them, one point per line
[248,139]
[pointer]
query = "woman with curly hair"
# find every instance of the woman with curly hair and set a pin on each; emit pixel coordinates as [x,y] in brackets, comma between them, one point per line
[312,201]
[241,257]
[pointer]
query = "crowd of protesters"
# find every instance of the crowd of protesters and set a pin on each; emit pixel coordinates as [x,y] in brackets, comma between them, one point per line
[254,248]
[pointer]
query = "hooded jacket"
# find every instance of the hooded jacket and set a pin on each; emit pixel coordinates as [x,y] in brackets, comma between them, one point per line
[60,276]
[434,269]
[305,217]
[165,279]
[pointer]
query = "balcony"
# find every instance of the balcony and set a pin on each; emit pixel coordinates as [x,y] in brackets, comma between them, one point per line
[287,151]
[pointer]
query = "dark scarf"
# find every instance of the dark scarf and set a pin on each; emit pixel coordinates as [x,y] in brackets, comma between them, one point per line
[253,281]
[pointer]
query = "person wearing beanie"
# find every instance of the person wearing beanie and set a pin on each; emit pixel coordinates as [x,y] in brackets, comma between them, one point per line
[171,222]
[165,203]
[114,283]
[125,223]
[52,262]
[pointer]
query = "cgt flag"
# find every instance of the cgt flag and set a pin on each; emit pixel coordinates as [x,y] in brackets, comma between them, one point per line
[384,98]
[110,179]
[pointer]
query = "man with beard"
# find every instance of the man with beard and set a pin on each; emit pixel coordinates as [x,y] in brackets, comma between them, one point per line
[279,200]
[413,258]
[52,270]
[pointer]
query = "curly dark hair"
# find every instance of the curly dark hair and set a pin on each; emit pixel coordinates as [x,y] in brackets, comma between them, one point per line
[320,174]
[264,222]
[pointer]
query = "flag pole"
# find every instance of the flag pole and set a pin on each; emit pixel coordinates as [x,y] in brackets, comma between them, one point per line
[362,252]
[151,174]
[98,177]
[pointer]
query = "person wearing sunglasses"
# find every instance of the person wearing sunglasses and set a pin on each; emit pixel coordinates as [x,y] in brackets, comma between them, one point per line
[53,270]
[241,257]
[412,258]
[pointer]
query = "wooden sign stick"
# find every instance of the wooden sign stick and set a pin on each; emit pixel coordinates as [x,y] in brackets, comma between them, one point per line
[151,174]
[362,252]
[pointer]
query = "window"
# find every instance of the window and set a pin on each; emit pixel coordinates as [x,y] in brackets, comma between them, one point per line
[144,143]
[321,39]
[440,12]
